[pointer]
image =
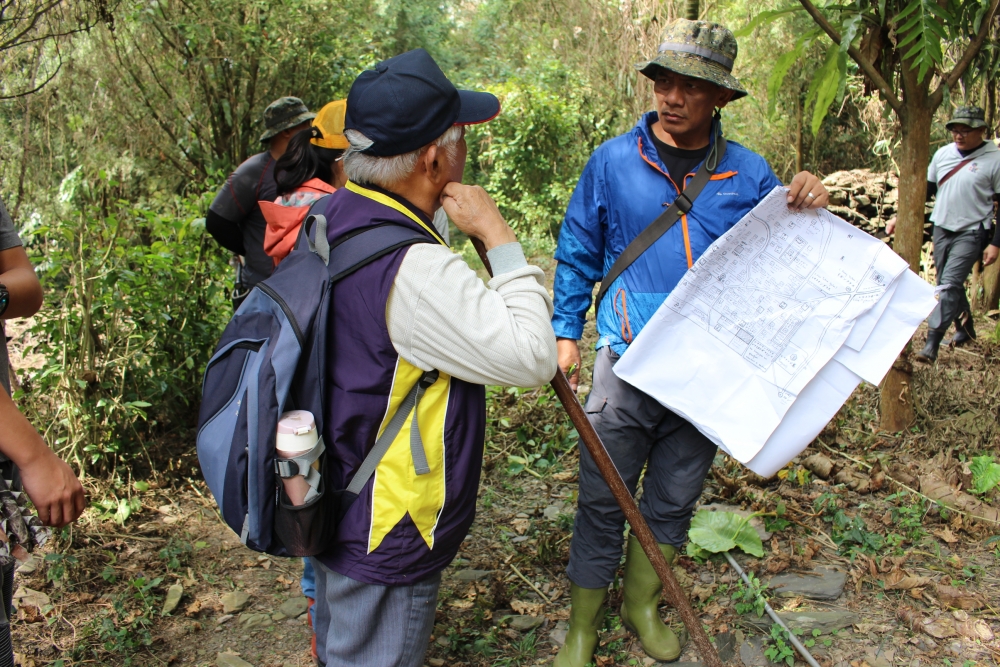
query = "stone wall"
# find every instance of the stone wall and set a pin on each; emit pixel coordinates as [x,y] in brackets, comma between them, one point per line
[867,199]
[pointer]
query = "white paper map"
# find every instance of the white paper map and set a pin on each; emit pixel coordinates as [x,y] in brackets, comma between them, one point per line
[758,317]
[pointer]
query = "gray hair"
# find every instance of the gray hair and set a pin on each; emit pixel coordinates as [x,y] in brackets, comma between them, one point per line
[386,172]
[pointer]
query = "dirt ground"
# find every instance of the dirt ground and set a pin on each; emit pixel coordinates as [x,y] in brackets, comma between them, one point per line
[921,583]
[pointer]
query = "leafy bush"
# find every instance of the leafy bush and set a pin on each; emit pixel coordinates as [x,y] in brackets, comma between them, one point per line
[136,300]
[530,157]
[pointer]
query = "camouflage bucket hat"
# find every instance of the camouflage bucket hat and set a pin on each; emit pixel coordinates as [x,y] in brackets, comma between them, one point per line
[283,113]
[972,116]
[698,49]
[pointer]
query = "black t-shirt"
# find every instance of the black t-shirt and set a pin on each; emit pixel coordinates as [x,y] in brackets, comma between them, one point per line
[679,162]
[236,202]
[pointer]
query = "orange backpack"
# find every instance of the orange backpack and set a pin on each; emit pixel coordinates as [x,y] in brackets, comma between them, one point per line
[285,214]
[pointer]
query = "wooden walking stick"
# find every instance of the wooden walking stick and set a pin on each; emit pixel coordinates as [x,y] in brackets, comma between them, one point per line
[640,528]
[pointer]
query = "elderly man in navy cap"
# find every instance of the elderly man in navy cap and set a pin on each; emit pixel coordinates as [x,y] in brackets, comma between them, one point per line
[415,327]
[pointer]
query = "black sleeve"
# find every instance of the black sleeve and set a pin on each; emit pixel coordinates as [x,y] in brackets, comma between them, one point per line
[931,190]
[996,221]
[226,232]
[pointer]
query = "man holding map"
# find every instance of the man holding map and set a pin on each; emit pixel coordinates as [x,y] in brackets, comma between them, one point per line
[673,167]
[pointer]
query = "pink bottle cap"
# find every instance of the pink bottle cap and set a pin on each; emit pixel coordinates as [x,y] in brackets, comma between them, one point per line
[296,422]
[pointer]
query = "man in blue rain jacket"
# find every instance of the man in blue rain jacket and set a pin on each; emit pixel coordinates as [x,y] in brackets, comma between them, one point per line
[628,182]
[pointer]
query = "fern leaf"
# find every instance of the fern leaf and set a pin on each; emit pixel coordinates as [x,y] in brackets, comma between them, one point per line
[923,33]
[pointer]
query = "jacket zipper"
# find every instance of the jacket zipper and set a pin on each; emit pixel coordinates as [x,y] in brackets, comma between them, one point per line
[268,290]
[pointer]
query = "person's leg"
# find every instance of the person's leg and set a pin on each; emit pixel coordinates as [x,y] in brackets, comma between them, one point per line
[308,584]
[967,249]
[937,324]
[366,625]
[7,593]
[320,611]
[964,250]
[963,253]
[624,417]
[678,463]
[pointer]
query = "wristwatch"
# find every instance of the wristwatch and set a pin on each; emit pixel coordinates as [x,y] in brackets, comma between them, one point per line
[4,299]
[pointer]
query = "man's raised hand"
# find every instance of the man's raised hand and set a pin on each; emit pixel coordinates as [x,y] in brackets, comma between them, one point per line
[475,213]
[807,191]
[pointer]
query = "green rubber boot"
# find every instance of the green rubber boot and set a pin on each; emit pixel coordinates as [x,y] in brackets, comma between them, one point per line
[586,616]
[641,590]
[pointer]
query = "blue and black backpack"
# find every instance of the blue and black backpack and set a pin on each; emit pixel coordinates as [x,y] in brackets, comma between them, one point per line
[271,359]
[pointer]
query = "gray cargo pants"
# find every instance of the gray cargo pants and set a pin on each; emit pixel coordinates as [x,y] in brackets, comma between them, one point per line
[635,429]
[954,255]
[367,625]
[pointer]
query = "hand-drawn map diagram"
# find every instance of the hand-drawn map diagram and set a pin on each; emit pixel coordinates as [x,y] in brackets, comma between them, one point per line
[774,326]
[782,289]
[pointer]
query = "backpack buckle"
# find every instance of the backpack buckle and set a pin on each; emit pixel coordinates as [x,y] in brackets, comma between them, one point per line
[286,468]
[428,378]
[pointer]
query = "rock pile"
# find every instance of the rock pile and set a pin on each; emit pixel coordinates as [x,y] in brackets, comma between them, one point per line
[866,199]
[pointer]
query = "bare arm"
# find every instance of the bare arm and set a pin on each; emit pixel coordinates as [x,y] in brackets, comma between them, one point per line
[18,276]
[48,481]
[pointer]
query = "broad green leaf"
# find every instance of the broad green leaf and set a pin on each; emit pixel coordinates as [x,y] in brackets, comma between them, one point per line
[722,531]
[123,512]
[849,30]
[777,78]
[985,473]
[781,68]
[825,85]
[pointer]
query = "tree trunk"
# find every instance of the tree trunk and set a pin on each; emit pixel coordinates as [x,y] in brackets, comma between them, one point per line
[990,280]
[976,291]
[897,412]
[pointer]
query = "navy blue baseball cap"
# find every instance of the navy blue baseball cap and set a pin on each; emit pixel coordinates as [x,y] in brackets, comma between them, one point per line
[407,102]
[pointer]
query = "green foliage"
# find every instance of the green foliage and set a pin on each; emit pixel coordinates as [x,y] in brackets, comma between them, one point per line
[985,473]
[777,523]
[781,67]
[176,554]
[891,36]
[536,428]
[779,650]
[717,532]
[135,306]
[58,566]
[749,599]
[530,157]
[124,630]
[118,510]
[921,31]
[852,530]
[827,84]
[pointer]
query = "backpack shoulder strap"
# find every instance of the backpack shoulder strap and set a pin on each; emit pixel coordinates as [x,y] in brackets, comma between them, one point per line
[346,257]
[364,247]
[648,236]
